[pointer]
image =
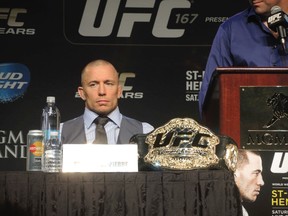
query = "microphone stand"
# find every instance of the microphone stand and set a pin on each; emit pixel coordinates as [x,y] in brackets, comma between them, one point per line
[282,32]
[284,47]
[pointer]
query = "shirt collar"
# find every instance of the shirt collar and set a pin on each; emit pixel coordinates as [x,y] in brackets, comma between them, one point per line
[89,116]
[252,15]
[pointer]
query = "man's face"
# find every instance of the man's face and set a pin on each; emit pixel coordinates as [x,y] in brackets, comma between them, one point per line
[100,88]
[249,179]
[263,7]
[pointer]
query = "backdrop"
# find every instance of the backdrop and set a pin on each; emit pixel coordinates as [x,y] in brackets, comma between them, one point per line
[160,48]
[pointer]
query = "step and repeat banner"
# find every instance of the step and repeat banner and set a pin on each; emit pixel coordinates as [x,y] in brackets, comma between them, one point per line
[159,47]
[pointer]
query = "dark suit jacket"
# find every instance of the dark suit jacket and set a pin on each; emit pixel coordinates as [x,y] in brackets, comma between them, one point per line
[73,130]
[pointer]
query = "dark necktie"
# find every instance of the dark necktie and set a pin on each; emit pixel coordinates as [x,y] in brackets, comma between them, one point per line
[100,135]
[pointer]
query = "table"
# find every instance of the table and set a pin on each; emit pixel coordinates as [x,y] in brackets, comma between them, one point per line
[149,193]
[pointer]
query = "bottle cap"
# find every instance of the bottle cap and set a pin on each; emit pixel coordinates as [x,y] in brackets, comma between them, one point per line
[50,99]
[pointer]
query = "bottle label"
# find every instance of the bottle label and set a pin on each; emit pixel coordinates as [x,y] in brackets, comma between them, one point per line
[53,161]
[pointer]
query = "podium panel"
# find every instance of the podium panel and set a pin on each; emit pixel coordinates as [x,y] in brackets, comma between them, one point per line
[222,110]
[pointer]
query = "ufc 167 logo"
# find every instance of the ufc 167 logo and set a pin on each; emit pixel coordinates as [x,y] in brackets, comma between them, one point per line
[134,11]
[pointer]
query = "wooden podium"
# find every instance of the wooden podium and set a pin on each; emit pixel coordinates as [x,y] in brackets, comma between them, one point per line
[221,111]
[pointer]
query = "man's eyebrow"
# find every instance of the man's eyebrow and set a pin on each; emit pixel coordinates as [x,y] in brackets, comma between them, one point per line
[110,80]
[93,81]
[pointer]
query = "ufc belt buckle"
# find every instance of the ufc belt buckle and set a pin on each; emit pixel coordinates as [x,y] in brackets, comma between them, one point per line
[183,144]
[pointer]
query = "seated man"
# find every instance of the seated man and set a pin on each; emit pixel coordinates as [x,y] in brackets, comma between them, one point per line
[100,89]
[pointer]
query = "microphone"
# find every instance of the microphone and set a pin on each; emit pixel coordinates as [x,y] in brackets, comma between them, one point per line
[278,22]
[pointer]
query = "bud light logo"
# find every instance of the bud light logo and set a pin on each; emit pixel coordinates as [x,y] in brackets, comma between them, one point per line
[14,80]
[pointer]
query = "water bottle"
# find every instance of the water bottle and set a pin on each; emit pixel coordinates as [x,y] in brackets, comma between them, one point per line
[52,152]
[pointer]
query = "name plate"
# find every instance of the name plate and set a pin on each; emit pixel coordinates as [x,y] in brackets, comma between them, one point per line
[100,158]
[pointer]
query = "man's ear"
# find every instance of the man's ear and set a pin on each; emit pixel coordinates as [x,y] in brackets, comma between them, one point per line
[119,91]
[81,93]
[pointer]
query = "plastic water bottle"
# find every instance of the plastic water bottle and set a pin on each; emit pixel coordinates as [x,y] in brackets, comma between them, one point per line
[52,155]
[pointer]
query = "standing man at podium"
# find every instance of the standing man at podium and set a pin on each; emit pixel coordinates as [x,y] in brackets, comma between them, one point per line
[245,40]
[100,90]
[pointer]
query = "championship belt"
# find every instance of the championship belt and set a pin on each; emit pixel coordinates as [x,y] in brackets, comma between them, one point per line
[183,144]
